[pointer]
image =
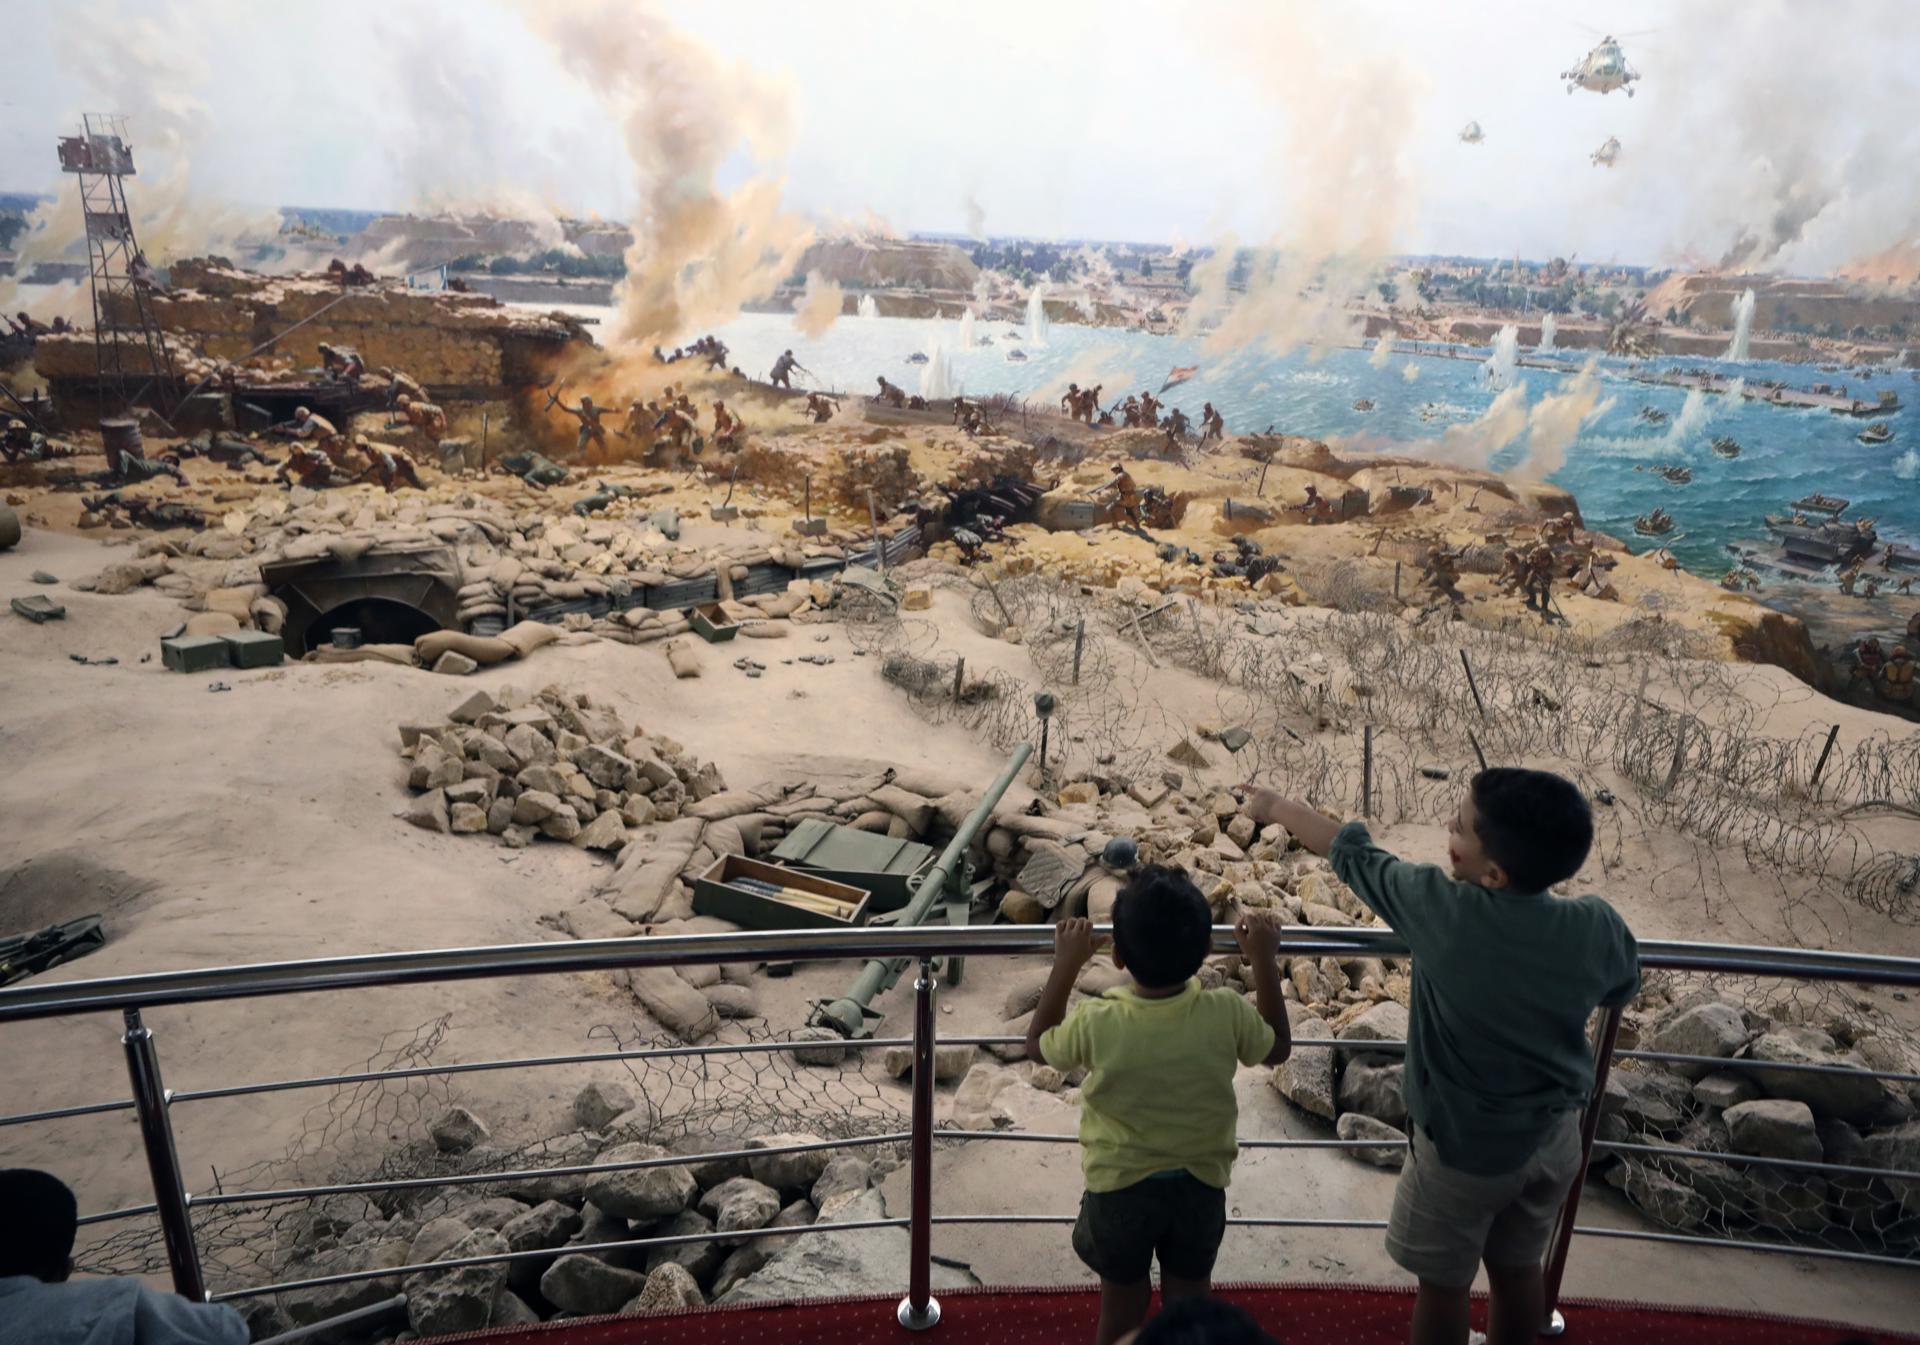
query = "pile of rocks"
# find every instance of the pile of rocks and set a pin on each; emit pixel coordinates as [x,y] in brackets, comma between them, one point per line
[555,1222]
[1845,1117]
[521,766]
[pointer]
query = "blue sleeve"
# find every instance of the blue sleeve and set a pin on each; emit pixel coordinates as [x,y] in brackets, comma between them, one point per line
[168,1319]
[1404,895]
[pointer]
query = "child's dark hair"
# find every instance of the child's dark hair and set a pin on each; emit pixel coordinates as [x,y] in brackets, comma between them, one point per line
[1534,824]
[36,1237]
[1162,926]
[1203,1321]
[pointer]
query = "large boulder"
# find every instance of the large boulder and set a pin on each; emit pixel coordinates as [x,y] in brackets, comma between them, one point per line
[640,1193]
[828,1264]
[441,1303]
[599,1103]
[1711,1028]
[588,1286]
[1774,1128]
[1898,1149]
[575,1149]
[1663,1199]
[668,1289]
[1385,1021]
[847,1172]
[740,1205]
[458,1130]
[1386,1147]
[700,1258]
[303,1307]
[1305,1078]
[1854,1097]
[1374,1090]
[1648,1099]
[788,1172]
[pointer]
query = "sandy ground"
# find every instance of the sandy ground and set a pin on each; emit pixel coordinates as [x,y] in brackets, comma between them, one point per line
[256,823]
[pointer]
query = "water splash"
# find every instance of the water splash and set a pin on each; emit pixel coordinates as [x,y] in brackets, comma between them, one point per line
[1547,329]
[1382,350]
[936,375]
[1907,465]
[868,308]
[1742,327]
[966,330]
[1037,316]
[1506,355]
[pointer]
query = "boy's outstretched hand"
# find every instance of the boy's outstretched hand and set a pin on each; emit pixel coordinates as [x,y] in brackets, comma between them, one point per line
[1258,934]
[1074,943]
[1312,828]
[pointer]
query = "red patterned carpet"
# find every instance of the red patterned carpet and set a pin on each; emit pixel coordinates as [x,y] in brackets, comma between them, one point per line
[1293,1314]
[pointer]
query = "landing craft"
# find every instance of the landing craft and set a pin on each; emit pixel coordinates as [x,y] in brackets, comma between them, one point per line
[1607,153]
[1603,70]
[1471,133]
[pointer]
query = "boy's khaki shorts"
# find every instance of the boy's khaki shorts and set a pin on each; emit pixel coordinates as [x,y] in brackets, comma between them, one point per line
[1446,1222]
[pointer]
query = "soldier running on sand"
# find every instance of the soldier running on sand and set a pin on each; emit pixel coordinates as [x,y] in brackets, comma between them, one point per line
[591,431]
[422,416]
[889,394]
[820,408]
[1126,497]
[1539,580]
[390,469]
[783,369]
[1212,425]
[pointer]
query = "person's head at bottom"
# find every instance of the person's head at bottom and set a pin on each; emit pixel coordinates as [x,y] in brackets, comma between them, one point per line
[42,1218]
[1200,1321]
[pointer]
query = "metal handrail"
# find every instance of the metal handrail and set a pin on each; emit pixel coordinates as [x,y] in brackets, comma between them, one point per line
[152,1101]
[368,970]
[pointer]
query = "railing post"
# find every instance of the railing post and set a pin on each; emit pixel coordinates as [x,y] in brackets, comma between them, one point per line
[163,1161]
[1556,1267]
[919,1310]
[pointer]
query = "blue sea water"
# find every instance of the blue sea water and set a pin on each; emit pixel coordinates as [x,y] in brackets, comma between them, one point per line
[1785,453]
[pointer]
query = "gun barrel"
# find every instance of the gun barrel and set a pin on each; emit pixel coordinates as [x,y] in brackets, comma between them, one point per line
[848,1014]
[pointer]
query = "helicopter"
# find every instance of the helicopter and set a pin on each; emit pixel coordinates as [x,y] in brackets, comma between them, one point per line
[1471,133]
[1602,70]
[1604,156]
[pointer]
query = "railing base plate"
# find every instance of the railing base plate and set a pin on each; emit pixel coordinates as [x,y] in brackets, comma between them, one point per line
[1556,1324]
[918,1321]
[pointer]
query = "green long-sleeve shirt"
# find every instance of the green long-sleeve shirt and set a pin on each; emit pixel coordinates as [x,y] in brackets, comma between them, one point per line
[1503,985]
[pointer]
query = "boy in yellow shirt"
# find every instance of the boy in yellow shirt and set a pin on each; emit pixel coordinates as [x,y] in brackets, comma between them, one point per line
[1157,1111]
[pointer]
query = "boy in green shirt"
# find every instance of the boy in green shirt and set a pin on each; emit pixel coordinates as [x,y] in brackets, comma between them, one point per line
[1505,976]
[1157,1111]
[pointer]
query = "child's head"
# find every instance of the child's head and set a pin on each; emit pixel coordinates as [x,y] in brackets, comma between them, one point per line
[1162,927]
[1520,830]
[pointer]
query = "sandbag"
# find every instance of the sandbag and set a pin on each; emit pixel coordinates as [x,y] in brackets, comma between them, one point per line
[480,648]
[366,653]
[212,623]
[684,662]
[528,636]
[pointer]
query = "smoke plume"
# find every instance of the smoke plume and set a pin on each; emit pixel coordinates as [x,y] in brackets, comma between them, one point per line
[1557,420]
[698,253]
[820,306]
[976,220]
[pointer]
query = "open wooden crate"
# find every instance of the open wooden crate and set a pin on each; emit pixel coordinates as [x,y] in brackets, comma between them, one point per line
[803,902]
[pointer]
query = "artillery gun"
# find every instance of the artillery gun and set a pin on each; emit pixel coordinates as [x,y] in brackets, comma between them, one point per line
[948,885]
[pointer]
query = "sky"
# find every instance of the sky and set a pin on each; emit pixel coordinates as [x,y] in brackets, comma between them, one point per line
[1763,132]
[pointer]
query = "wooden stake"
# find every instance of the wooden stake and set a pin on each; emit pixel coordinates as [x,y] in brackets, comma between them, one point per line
[1396,581]
[1079,642]
[1679,759]
[959,676]
[1366,772]
[1472,685]
[1821,764]
[1142,637]
[994,593]
[1480,755]
[1262,491]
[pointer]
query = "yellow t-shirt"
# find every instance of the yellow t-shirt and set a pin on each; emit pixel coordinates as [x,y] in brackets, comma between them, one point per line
[1159,1089]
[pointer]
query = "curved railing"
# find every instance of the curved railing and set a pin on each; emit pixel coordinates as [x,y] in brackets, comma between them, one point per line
[172,1204]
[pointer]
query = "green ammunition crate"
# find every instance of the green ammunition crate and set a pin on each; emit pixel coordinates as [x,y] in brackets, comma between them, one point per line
[255,649]
[714,894]
[880,864]
[194,653]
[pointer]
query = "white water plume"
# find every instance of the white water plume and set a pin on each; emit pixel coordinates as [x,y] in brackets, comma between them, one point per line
[1742,327]
[1410,370]
[1506,356]
[820,305]
[1907,465]
[1037,316]
[966,330]
[1548,327]
[1382,350]
[936,375]
[868,308]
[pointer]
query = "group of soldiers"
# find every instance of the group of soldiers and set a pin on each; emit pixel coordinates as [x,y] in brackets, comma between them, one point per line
[23,324]
[670,420]
[1082,404]
[1869,585]
[971,417]
[710,348]
[1889,672]
[321,456]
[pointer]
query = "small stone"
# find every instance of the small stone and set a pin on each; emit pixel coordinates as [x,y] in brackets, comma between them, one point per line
[917,598]
[1373,1090]
[535,806]
[1080,791]
[1725,1089]
[1710,1029]
[847,1172]
[563,824]
[458,1131]
[788,1172]
[700,1258]
[467,818]
[740,1205]
[548,1224]
[455,664]
[733,1001]
[949,1062]
[1355,1126]
[1305,1078]
[641,1193]
[605,832]
[446,1302]
[473,707]
[598,1103]
[517,838]
[831,1048]
[669,1288]
[428,811]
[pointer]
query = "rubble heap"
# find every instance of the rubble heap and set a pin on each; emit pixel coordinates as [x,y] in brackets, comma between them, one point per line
[724,1197]
[553,764]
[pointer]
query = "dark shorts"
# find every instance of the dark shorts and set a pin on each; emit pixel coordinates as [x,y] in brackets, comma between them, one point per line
[1180,1219]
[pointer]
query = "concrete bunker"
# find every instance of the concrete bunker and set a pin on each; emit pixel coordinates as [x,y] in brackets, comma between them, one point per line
[390,594]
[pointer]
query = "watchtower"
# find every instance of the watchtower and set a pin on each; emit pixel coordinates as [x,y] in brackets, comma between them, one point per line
[131,357]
